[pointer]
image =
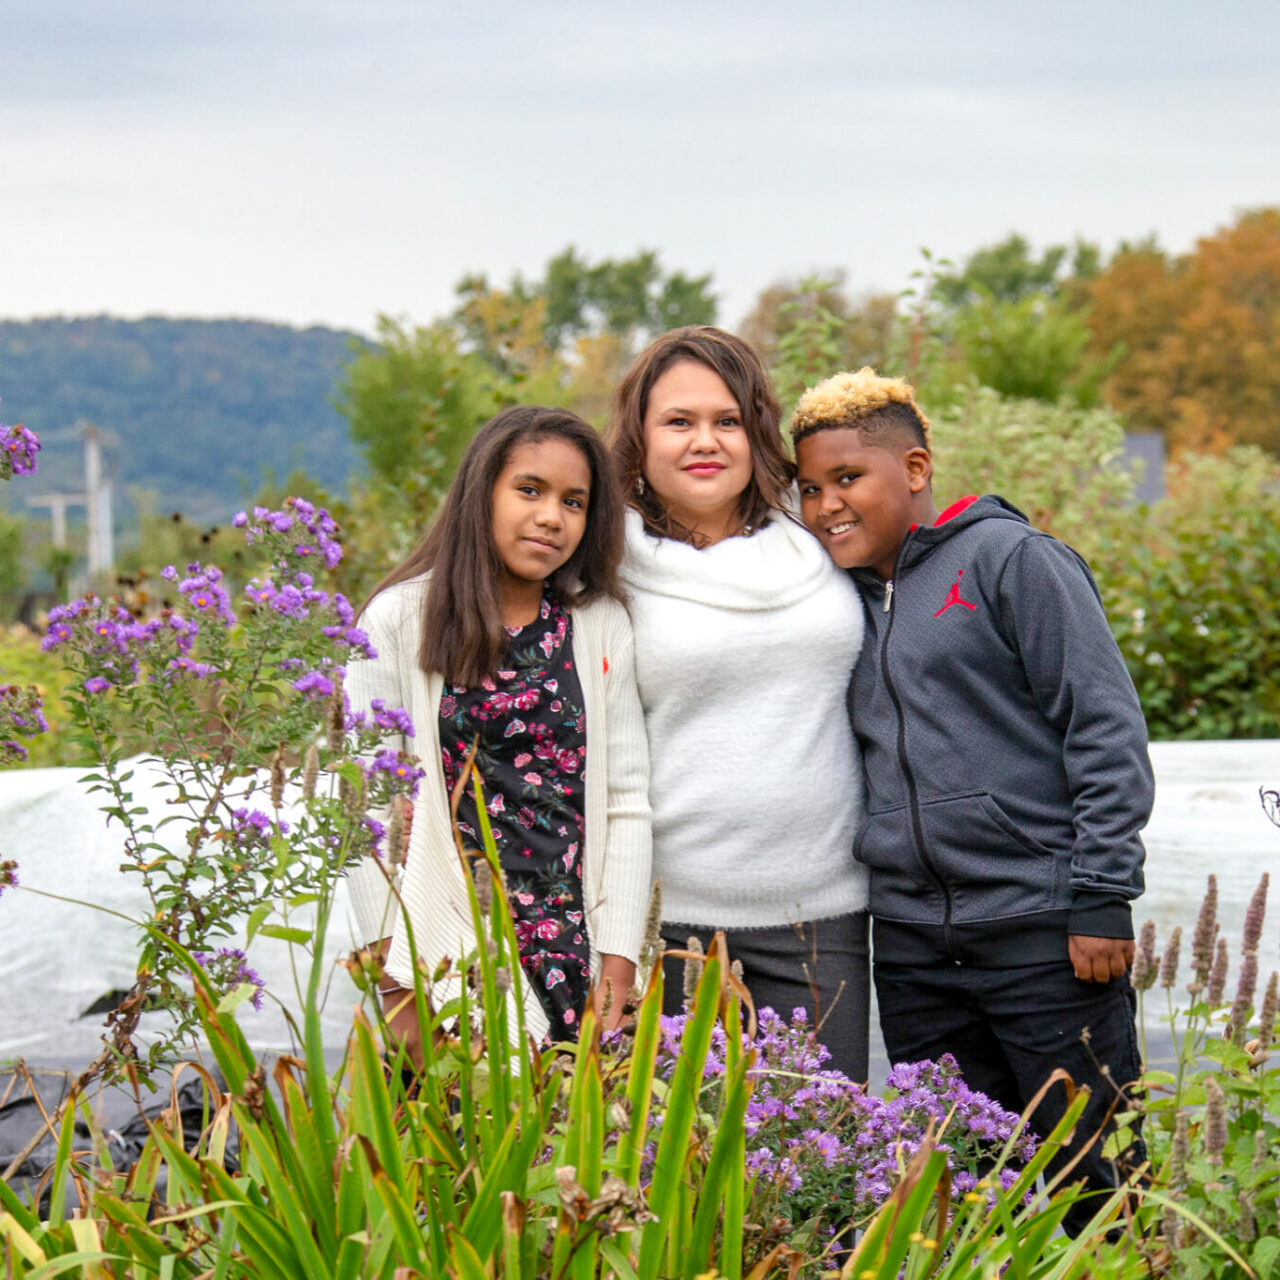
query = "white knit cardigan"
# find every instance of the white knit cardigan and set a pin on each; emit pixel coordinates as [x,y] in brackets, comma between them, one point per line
[744,651]
[433,888]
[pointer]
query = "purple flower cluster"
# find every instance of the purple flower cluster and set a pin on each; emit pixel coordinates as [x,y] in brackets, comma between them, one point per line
[817,1143]
[228,968]
[318,684]
[300,530]
[18,449]
[8,874]
[398,766]
[252,826]
[203,590]
[381,719]
[21,716]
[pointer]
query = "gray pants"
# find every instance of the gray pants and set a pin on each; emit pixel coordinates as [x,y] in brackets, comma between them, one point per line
[773,968]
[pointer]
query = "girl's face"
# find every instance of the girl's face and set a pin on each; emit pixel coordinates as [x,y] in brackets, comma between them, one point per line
[540,508]
[697,457]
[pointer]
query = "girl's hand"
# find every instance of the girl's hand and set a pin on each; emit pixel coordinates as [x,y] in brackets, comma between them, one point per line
[617,976]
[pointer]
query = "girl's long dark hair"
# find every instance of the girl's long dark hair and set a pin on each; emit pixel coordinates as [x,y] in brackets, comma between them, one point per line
[462,632]
[744,374]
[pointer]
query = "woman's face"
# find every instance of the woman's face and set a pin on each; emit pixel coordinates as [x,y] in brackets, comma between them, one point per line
[697,458]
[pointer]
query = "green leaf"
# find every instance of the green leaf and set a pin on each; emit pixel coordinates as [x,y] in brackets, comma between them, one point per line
[286,933]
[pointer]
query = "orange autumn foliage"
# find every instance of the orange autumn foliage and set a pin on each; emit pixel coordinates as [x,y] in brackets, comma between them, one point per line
[1201,335]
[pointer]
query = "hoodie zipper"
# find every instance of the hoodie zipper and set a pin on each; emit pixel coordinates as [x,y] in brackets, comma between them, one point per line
[913,795]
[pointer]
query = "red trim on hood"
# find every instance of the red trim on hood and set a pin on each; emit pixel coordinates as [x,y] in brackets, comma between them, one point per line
[962,504]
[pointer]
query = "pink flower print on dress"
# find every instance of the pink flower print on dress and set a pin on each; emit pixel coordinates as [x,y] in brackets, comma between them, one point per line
[506,675]
[533,779]
[570,1016]
[573,917]
[554,978]
[524,933]
[551,686]
[516,726]
[497,805]
[544,750]
[568,761]
[547,644]
[448,706]
[525,899]
[488,686]
[522,759]
[570,856]
[547,930]
[556,705]
[525,817]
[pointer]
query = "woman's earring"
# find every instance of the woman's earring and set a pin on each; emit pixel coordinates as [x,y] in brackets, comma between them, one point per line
[640,486]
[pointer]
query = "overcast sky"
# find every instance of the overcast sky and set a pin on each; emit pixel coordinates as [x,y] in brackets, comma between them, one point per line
[320,161]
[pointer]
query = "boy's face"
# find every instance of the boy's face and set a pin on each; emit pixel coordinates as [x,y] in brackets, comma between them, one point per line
[860,500]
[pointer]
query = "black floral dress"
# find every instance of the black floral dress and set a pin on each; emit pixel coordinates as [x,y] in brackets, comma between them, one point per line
[532,757]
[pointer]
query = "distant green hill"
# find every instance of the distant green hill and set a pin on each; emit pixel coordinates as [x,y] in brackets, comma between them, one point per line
[194,410]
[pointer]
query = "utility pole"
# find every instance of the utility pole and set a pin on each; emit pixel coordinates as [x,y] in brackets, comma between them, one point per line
[98,513]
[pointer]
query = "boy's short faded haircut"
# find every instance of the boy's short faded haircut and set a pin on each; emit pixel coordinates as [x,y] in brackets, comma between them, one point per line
[865,402]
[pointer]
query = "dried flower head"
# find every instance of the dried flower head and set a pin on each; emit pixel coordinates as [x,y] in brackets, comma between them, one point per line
[395,834]
[1254,917]
[1169,961]
[1243,1002]
[483,874]
[277,777]
[1180,1149]
[1203,939]
[692,969]
[1145,968]
[310,772]
[1218,974]
[1215,1121]
[337,720]
[1267,1018]
[651,947]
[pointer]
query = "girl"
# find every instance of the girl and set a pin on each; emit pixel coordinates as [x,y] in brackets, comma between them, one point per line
[746,636]
[504,623]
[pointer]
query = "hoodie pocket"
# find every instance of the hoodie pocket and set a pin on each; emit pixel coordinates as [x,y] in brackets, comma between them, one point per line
[991,867]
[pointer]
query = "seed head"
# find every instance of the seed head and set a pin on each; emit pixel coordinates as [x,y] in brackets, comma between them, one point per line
[1179,1150]
[1218,974]
[1215,1122]
[337,719]
[651,947]
[1169,961]
[484,884]
[1267,1019]
[1244,998]
[395,834]
[692,969]
[277,777]
[310,772]
[1203,939]
[1145,969]
[1254,917]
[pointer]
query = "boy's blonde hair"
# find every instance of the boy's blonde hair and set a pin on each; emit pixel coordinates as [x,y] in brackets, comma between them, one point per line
[864,401]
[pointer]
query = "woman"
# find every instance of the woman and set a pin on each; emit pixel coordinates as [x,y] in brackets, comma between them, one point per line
[745,636]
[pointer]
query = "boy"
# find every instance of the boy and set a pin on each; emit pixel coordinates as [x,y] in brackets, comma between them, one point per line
[1006,767]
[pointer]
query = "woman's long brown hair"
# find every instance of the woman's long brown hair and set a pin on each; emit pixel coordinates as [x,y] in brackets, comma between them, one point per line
[462,632]
[743,373]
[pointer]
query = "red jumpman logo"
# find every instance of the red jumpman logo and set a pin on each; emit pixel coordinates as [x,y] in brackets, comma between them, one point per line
[953,597]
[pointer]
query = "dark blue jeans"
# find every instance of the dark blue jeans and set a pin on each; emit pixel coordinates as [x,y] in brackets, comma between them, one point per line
[1009,1029]
[782,966]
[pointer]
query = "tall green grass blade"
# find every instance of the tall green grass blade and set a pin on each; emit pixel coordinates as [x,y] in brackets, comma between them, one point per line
[670,1166]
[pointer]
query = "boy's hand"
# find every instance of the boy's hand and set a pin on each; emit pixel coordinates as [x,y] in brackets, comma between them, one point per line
[1099,959]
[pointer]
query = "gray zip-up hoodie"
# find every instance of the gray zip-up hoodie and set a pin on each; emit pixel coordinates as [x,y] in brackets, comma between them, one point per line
[1005,751]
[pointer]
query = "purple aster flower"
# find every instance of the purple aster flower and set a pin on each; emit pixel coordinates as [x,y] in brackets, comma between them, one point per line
[18,449]
[315,684]
[228,968]
[97,684]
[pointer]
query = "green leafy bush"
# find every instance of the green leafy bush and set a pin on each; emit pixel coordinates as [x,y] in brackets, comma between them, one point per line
[1191,589]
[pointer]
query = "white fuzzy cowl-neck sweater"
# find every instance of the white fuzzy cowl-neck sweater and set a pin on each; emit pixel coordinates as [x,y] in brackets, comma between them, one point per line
[744,652]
